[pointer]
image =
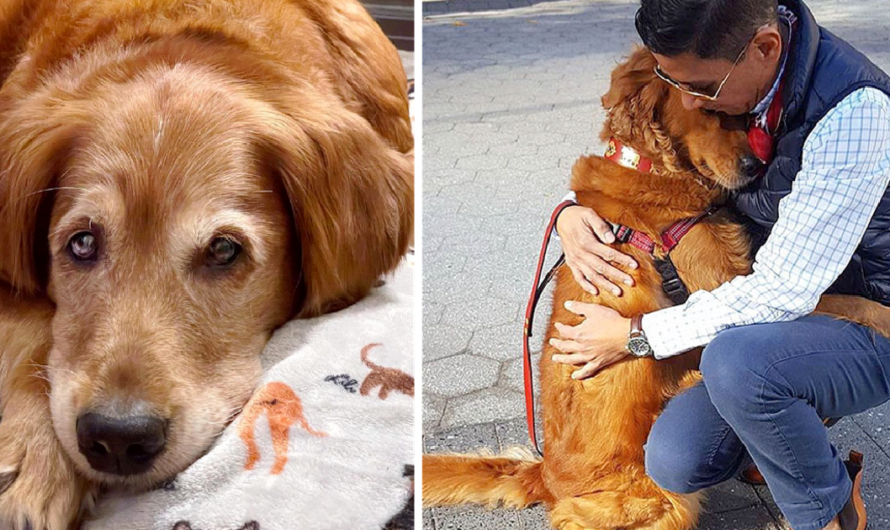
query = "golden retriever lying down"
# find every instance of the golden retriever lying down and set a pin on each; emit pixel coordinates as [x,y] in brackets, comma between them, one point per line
[177,179]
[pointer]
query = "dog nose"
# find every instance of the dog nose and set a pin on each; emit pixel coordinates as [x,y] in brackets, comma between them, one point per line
[121,446]
[751,166]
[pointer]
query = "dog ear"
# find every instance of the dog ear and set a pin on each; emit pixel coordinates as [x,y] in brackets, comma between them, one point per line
[629,77]
[634,102]
[36,138]
[182,525]
[352,198]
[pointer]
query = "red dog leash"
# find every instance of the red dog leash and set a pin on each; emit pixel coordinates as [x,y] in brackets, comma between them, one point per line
[529,318]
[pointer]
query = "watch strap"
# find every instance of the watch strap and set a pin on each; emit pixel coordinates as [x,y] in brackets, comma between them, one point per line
[636,325]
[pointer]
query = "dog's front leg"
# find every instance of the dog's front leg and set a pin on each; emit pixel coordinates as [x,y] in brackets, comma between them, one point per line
[39,487]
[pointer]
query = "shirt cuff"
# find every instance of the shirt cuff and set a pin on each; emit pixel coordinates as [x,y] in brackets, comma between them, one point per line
[657,326]
[571,197]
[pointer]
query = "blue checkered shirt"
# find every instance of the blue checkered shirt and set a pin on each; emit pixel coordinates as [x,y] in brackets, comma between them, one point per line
[844,173]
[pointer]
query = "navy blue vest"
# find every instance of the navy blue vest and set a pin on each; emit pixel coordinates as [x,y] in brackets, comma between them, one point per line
[822,69]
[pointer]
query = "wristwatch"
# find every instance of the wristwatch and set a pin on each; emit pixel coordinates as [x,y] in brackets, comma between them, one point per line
[637,343]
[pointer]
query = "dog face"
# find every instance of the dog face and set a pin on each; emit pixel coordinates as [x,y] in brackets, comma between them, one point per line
[646,112]
[175,220]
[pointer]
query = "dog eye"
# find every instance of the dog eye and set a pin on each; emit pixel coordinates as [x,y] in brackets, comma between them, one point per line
[83,247]
[222,252]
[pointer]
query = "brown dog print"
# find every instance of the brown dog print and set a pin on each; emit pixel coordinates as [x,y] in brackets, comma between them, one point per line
[388,379]
[283,408]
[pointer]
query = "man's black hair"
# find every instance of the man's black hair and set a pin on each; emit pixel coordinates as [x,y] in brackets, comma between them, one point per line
[709,29]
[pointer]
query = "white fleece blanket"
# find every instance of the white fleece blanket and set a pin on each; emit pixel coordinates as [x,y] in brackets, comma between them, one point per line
[344,427]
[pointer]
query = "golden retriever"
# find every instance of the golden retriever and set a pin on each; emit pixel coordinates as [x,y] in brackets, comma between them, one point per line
[177,180]
[593,474]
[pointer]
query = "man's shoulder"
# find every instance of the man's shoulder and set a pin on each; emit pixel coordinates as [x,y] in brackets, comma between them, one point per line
[838,70]
[860,119]
[866,97]
[863,102]
[867,102]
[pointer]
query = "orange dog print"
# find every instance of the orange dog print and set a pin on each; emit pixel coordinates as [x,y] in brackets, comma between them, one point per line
[283,409]
[388,379]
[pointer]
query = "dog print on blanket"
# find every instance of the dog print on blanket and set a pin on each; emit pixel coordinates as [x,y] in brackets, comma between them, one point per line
[283,409]
[388,379]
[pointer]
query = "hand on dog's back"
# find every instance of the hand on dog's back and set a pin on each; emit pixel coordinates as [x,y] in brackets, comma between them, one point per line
[585,238]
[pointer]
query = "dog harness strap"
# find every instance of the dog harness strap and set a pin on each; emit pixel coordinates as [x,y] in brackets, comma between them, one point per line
[636,238]
[675,232]
[670,280]
[669,238]
[537,291]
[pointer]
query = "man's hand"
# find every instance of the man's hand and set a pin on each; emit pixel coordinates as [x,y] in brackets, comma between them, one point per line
[597,342]
[583,232]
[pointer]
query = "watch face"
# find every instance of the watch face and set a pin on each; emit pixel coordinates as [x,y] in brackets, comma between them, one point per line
[639,346]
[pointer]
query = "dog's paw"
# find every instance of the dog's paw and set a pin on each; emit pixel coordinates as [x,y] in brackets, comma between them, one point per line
[39,488]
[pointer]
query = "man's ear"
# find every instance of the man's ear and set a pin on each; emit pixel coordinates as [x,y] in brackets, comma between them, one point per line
[36,139]
[352,198]
[767,46]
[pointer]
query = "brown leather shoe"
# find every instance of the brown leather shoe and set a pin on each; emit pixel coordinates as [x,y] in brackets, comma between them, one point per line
[751,475]
[853,516]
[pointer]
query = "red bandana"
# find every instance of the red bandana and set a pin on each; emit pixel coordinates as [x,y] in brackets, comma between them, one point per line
[762,139]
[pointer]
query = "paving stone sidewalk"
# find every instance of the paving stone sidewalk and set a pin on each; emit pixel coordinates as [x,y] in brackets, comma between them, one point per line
[511,99]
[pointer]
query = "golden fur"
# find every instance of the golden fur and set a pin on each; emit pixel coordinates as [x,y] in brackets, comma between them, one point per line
[593,475]
[158,126]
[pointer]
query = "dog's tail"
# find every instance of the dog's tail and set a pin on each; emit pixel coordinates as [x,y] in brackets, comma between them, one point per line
[365,360]
[510,480]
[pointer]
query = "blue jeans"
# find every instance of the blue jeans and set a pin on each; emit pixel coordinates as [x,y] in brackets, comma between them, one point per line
[766,389]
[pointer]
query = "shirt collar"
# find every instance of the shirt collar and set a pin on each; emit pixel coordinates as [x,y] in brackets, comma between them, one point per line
[785,15]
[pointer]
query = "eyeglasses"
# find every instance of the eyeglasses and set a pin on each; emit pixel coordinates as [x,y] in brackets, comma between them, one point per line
[688,89]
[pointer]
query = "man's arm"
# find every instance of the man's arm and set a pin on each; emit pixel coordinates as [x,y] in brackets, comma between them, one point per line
[844,174]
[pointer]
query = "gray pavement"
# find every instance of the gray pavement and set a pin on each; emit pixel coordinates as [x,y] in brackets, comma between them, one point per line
[511,99]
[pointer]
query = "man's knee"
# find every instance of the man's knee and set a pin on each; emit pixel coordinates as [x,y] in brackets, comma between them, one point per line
[670,466]
[732,362]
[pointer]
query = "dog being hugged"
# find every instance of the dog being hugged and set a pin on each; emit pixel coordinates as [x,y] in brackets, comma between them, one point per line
[593,475]
[177,180]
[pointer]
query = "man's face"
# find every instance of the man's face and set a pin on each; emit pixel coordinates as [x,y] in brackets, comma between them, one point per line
[747,83]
